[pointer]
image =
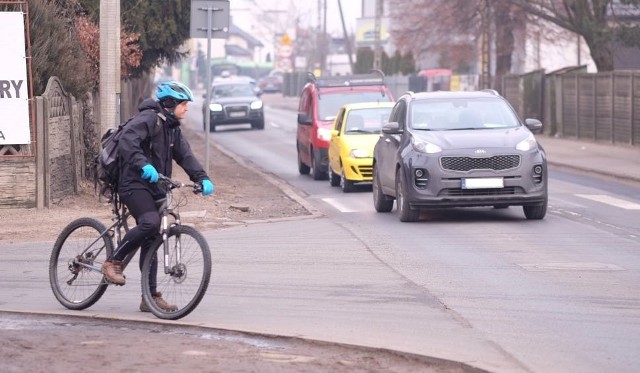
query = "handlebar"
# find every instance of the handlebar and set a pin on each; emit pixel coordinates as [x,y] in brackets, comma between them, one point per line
[172,184]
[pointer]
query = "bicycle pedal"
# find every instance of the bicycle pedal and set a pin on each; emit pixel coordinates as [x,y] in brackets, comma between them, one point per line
[112,283]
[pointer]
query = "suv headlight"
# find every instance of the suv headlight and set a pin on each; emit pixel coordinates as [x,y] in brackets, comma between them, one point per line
[359,153]
[215,107]
[255,105]
[425,147]
[527,144]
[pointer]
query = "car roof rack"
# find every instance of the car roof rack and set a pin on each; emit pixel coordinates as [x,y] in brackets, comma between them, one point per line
[492,91]
[374,78]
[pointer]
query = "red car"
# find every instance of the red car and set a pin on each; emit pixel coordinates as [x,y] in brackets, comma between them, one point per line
[320,101]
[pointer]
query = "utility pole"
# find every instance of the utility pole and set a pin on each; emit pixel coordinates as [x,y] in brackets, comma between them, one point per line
[109,64]
[377,51]
[347,39]
[485,46]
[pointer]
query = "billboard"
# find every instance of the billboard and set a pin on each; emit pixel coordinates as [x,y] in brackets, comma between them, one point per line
[14,92]
[366,31]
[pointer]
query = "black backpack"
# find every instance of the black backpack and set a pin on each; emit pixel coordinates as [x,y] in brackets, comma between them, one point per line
[106,163]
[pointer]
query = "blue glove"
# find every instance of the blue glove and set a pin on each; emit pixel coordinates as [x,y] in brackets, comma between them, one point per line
[149,173]
[207,187]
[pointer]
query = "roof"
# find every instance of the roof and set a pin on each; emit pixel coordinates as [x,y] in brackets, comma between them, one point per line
[235,50]
[253,42]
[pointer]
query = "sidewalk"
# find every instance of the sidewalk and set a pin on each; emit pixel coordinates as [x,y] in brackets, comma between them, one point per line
[619,161]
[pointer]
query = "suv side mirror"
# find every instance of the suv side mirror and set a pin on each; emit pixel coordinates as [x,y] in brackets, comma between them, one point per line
[392,128]
[303,118]
[533,125]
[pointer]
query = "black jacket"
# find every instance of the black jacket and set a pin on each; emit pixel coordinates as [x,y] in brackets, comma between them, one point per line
[142,142]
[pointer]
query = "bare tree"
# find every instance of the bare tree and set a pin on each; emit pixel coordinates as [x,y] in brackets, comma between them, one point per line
[601,23]
[453,28]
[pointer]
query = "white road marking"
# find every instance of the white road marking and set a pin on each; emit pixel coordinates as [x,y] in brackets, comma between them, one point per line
[337,205]
[571,266]
[274,124]
[611,201]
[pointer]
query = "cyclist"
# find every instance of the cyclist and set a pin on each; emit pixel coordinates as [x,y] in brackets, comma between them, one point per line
[145,151]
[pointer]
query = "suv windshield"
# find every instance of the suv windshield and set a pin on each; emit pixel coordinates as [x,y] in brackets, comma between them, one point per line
[233,90]
[461,114]
[330,103]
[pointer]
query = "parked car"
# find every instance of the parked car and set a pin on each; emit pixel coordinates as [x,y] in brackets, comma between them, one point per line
[355,132]
[458,149]
[270,84]
[234,101]
[320,101]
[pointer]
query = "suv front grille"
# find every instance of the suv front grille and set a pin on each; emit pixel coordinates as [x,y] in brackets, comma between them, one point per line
[236,110]
[497,162]
[481,192]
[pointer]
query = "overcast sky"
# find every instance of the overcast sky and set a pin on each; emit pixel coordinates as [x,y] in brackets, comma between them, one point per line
[307,11]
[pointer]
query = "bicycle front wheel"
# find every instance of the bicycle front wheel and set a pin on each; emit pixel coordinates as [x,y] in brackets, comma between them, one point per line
[183,281]
[76,262]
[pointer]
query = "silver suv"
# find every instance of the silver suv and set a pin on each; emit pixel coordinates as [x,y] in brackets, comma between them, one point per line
[234,101]
[458,149]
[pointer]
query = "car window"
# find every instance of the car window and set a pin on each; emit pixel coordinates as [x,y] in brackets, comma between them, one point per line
[367,120]
[330,103]
[233,90]
[461,113]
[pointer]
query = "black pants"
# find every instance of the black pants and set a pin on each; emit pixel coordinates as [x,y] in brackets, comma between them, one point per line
[142,206]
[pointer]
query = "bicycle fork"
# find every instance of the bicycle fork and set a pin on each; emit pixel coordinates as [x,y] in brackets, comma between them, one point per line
[178,270]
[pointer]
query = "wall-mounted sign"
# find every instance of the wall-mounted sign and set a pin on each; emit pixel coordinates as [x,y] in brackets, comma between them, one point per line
[14,92]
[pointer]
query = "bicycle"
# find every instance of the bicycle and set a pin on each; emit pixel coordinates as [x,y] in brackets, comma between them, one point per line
[75,266]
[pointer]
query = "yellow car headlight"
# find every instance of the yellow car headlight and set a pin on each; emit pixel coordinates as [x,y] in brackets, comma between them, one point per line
[359,153]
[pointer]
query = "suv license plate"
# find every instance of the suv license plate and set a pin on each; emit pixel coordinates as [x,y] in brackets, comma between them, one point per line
[237,114]
[483,183]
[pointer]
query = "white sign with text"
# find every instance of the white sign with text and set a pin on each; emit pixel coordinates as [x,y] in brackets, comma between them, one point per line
[14,96]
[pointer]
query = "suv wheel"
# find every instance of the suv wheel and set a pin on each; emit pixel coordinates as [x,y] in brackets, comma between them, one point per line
[405,213]
[302,168]
[535,212]
[381,201]
[258,125]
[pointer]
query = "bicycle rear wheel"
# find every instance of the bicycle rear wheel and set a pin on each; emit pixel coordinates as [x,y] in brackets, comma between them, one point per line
[188,277]
[76,261]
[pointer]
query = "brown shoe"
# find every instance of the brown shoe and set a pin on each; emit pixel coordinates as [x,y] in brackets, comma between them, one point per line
[161,303]
[112,271]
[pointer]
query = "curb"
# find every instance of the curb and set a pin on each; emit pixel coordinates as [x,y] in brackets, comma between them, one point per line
[593,171]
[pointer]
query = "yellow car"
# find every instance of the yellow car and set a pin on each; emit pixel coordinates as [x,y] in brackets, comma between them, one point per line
[355,132]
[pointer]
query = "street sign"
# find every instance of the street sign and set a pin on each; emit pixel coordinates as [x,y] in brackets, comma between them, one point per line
[216,27]
[286,40]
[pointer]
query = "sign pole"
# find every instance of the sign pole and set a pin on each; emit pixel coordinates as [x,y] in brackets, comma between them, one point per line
[216,13]
[207,119]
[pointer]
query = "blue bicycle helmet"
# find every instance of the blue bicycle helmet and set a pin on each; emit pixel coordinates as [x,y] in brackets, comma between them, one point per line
[173,90]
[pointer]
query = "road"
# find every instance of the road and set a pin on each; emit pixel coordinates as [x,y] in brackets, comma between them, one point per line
[557,295]
[480,286]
